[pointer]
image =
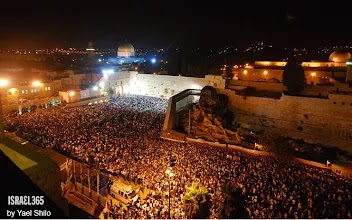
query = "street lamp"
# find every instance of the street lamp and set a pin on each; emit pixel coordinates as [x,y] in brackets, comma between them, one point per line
[170,174]
[3,83]
[70,94]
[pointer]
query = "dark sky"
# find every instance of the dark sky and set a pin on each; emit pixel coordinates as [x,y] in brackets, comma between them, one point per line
[149,23]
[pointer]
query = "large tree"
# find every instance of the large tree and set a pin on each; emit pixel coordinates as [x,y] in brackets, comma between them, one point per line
[196,201]
[231,202]
[293,76]
[276,145]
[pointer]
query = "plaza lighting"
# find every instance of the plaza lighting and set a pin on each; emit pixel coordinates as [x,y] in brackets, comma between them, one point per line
[4,82]
[37,83]
[313,74]
[107,72]
[153,60]
[245,72]
[265,72]
[95,88]
[71,93]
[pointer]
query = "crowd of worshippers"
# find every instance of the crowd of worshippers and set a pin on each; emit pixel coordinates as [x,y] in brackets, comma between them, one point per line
[123,138]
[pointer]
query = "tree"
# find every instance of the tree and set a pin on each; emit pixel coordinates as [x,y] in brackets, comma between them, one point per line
[196,201]
[293,76]
[276,145]
[232,202]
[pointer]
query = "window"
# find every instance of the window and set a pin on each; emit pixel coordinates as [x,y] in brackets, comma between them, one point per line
[23,92]
[32,90]
[48,87]
[26,91]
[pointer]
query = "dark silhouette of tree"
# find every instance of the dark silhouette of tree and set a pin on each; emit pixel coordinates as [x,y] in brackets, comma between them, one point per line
[231,204]
[276,145]
[293,76]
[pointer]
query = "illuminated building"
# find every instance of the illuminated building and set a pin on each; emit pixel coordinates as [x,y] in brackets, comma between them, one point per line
[125,55]
[90,49]
[317,72]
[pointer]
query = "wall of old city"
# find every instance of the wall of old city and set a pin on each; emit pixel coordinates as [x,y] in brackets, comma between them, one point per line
[315,120]
[165,86]
[264,74]
[162,86]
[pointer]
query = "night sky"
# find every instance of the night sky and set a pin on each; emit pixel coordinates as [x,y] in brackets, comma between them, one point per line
[161,23]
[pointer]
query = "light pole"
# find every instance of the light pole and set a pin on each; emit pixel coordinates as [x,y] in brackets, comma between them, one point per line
[170,174]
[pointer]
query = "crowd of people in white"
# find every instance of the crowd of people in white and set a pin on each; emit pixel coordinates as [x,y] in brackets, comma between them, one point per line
[123,137]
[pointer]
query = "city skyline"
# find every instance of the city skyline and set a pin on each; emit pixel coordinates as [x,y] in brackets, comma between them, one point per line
[161,24]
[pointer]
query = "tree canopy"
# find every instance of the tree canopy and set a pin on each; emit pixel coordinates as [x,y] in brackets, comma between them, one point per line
[196,201]
[293,76]
[277,145]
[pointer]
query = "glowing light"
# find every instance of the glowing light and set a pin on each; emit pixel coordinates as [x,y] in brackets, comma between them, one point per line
[107,72]
[37,83]
[245,72]
[153,60]
[90,49]
[4,82]
[265,72]
[195,86]
[99,60]
[12,90]
[169,173]
[101,85]
[71,93]
[313,74]
[95,88]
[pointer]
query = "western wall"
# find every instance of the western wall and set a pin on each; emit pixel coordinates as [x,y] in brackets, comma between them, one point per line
[315,120]
[325,120]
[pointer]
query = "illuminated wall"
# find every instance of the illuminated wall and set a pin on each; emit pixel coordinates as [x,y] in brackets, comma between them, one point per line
[312,76]
[163,86]
[315,120]
[304,64]
[125,54]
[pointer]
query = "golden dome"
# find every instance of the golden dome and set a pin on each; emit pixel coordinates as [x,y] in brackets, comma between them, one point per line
[126,48]
[339,56]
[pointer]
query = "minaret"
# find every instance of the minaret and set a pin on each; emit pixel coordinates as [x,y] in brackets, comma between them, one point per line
[90,50]
[349,71]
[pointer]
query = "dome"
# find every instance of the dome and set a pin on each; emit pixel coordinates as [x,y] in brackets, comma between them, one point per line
[339,56]
[126,48]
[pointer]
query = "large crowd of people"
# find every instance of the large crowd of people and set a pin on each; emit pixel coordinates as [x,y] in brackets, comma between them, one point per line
[123,137]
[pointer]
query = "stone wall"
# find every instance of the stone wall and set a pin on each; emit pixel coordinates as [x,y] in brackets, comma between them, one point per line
[316,120]
[313,76]
[162,86]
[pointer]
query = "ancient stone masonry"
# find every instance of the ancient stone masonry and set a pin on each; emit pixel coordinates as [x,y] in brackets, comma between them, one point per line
[315,120]
[207,118]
